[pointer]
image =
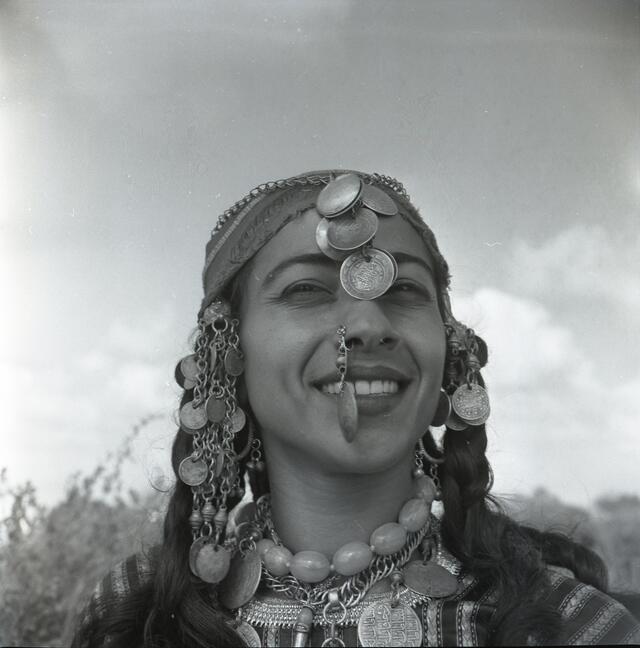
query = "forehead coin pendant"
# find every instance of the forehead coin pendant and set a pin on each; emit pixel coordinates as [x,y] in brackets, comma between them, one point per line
[347,406]
[349,211]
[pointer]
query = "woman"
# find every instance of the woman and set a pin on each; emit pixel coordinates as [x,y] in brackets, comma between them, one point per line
[326,347]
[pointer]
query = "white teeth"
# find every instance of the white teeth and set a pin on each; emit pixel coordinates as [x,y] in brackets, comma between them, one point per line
[365,387]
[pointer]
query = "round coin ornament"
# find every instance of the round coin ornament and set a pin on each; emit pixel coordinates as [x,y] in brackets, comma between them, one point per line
[367,277]
[339,196]
[233,362]
[192,472]
[384,625]
[471,403]
[429,579]
[378,201]
[216,409]
[238,420]
[351,232]
[192,418]
[242,581]
[323,242]
[208,561]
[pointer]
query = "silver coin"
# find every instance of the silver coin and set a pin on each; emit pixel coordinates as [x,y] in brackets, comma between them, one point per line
[192,471]
[189,367]
[456,423]
[348,412]
[378,200]
[367,278]
[351,232]
[429,579]
[471,403]
[238,420]
[242,581]
[208,561]
[216,409]
[339,196]
[323,243]
[395,263]
[192,418]
[383,625]
[233,362]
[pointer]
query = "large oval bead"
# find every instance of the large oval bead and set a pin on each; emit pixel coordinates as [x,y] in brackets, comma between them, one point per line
[310,566]
[277,560]
[352,558]
[414,515]
[388,538]
[262,546]
[425,489]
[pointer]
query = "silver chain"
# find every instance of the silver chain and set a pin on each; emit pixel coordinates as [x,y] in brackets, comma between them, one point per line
[269,187]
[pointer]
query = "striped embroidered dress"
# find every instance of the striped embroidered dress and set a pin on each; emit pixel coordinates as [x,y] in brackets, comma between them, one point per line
[590,616]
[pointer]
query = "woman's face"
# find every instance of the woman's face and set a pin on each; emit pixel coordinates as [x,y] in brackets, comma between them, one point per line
[292,306]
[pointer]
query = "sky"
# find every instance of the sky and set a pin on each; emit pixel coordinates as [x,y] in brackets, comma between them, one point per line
[127,127]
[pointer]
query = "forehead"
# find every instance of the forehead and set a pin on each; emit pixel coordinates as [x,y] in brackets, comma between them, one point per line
[298,237]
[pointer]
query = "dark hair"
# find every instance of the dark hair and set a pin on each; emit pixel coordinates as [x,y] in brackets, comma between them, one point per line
[176,609]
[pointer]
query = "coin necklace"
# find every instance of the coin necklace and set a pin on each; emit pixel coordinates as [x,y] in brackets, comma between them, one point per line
[349,211]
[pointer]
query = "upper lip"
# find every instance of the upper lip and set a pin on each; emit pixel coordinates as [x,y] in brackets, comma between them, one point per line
[364,372]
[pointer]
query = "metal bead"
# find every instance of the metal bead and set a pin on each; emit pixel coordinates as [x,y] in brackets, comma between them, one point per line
[417,473]
[395,577]
[195,519]
[208,511]
[220,518]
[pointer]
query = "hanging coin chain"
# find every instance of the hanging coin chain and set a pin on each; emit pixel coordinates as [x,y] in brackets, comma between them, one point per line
[212,418]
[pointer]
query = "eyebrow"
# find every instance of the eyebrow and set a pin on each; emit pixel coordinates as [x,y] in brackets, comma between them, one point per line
[403,257]
[317,258]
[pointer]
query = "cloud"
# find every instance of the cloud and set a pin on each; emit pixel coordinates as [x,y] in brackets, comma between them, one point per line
[555,421]
[79,412]
[583,261]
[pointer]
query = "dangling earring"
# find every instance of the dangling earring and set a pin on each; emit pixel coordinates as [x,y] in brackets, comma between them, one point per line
[347,405]
[469,400]
[427,487]
[213,418]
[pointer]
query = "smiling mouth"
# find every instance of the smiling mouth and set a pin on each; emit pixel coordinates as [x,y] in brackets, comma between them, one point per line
[365,387]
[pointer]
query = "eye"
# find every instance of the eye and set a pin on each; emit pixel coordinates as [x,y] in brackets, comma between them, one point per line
[305,291]
[411,290]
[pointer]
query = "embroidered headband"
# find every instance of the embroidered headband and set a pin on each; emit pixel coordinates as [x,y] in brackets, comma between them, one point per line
[247,226]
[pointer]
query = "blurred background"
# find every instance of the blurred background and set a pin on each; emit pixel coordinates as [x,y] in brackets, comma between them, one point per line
[127,127]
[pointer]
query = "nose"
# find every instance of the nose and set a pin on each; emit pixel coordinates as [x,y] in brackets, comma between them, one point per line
[368,327]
